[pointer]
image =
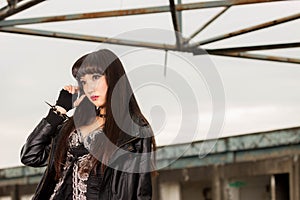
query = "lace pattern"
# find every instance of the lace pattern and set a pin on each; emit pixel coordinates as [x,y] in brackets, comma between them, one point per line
[80,170]
[80,178]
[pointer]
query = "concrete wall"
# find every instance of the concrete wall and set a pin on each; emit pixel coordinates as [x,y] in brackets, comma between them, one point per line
[266,179]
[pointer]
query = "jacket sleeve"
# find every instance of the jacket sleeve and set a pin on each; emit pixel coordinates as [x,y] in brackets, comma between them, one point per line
[36,149]
[144,184]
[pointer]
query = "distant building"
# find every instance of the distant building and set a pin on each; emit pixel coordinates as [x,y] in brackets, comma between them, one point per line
[259,166]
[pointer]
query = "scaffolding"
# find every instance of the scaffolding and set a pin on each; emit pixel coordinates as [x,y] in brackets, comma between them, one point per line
[183,44]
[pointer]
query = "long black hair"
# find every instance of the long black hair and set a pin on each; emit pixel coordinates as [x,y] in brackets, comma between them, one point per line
[121,105]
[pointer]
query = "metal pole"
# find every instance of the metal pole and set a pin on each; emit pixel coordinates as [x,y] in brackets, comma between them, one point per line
[206,24]
[3,9]
[138,11]
[175,24]
[254,48]
[88,38]
[179,17]
[139,44]
[261,57]
[247,30]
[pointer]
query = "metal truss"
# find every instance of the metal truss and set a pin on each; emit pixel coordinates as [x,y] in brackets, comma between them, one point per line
[182,44]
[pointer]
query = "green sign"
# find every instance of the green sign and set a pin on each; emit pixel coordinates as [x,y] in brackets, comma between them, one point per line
[237,184]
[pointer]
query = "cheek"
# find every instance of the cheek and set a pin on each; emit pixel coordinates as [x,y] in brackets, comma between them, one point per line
[103,87]
[84,88]
[103,90]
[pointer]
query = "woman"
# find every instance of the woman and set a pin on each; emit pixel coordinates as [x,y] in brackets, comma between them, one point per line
[105,150]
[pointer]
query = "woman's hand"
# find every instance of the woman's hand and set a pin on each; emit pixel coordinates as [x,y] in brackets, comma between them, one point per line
[78,101]
[71,89]
[74,89]
[64,101]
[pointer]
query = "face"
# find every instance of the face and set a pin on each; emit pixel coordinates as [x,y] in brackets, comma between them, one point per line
[95,88]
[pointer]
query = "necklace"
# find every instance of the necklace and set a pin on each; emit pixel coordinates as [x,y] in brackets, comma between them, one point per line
[98,112]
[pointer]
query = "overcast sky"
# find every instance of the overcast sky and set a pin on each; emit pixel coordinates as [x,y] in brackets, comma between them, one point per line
[259,95]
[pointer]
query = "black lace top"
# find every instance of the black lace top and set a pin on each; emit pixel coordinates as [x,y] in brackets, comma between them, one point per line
[79,181]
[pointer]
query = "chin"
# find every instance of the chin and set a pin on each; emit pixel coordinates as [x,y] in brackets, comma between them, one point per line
[97,104]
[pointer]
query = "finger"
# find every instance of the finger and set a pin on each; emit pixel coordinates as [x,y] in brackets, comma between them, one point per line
[69,88]
[72,89]
[78,101]
[76,89]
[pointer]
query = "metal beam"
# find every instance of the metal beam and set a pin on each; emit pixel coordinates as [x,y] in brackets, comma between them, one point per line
[179,16]
[247,30]
[128,12]
[5,8]
[8,11]
[254,48]
[175,24]
[260,57]
[206,24]
[87,38]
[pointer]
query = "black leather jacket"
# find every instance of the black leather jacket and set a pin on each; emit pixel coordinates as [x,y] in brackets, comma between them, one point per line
[118,184]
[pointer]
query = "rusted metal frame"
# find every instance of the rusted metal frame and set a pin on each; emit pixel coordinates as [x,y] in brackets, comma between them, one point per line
[82,16]
[8,11]
[88,38]
[247,30]
[179,16]
[5,8]
[254,48]
[260,57]
[138,11]
[140,44]
[175,24]
[205,25]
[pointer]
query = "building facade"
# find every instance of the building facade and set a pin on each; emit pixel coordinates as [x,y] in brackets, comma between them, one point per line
[259,166]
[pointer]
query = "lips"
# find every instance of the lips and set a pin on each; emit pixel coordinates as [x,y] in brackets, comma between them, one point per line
[94,98]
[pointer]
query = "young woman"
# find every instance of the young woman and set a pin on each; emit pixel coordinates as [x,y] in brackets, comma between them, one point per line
[104,151]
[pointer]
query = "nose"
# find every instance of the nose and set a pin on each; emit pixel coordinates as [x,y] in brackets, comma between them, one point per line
[91,86]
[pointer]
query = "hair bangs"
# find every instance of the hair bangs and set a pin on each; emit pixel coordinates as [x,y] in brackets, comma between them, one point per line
[90,65]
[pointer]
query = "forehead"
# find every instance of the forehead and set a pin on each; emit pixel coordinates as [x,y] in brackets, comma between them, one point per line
[87,68]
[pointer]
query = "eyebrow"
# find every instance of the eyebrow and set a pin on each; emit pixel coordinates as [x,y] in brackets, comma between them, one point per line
[91,74]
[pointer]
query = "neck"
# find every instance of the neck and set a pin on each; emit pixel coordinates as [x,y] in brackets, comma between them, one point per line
[101,111]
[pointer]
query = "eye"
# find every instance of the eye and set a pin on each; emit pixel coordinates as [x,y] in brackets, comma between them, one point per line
[96,76]
[82,82]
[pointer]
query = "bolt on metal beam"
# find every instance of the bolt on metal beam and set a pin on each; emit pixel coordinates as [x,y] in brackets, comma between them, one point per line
[8,11]
[7,7]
